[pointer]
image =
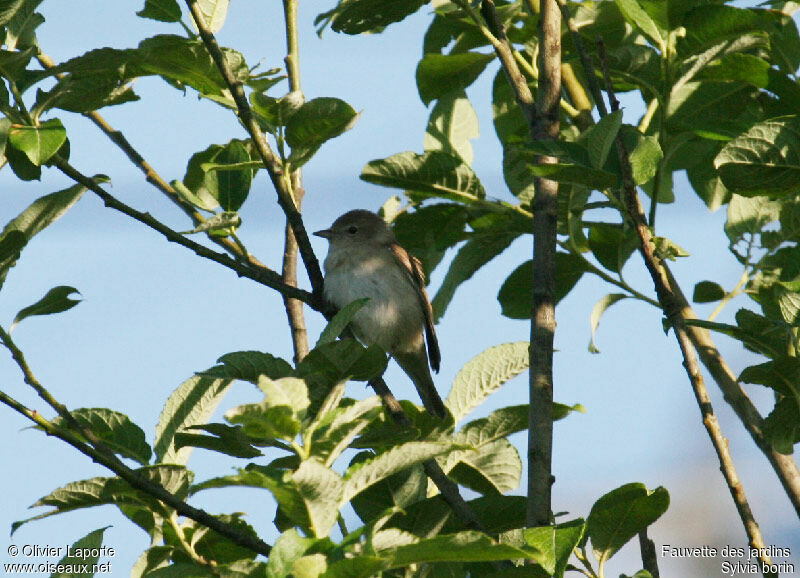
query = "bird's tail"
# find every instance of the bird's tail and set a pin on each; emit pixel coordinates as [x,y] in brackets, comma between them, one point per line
[416,366]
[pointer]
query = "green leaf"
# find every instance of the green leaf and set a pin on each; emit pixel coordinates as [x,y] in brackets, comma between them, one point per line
[281,413]
[232,186]
[556,544]
[342,318]
[20,31]
[185,62]
[79,94]
[782,425]
[225,439]
[452,123]
[467,546]
[479,249]
[485,374]
[8,8]
[599,138]
[101,491]
[494,468]
[344,359]
[276,111]
[720,110]
[360,16]
[341,426]
[612,244]
[214,13]
[288,548]
[749,215]
[398,458]
[84,553]
[13,63]
[209,187]
[575,174]
[161,10]
[597,312]
[316,122]
[641,20]
[434,173]
[515,293]
[763,160]
[321,490]
[441,74]
[249,366]
[38,143]
[114,429]
[429,231]
[621,514]
[781,374]
[707,292]
[192,403]
[55,301]
[41,213]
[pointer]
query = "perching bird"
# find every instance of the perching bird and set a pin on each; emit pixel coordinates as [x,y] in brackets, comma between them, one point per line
[365,260]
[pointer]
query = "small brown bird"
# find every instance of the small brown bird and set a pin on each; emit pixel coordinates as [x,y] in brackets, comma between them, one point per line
[365,260]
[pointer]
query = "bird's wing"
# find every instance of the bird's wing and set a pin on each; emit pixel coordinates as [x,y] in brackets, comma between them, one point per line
[413,267]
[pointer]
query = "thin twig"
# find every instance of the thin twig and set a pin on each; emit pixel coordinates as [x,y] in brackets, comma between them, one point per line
[671,308]
[784,466]
[586,61]
[152,176]
[137,481]
[262,275]
[271,162]
[293,307]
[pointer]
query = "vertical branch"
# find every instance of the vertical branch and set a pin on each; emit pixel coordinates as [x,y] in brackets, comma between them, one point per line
[294,308]
[543,320]
[649,557]
[672,309]
[271,162]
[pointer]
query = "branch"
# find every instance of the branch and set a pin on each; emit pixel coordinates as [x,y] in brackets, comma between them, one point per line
[543,315]
[136,481]
[262,274]
[104,456]
[649,557]
[447,487]
[271,162]
[671,307]
[293,307]
[152,176]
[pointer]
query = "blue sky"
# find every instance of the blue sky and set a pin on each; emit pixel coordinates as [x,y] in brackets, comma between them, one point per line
[153,313]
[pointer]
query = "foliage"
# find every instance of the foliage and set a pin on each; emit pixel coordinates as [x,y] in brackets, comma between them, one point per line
[718,85]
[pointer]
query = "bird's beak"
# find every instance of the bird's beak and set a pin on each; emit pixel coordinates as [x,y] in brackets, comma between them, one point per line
[325,233]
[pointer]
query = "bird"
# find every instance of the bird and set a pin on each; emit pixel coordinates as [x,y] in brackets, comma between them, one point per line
[365,260]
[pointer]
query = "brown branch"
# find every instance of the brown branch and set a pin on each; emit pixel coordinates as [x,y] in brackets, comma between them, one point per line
[262,275]
[784,466]
[672,310]
[152,176]
[293,307]
[649,557]
[505,53]
[586,61]
[447,487]
[155,490]
[271,162]
[543,319]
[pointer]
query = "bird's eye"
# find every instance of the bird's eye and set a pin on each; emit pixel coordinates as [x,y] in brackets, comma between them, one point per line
[352,229]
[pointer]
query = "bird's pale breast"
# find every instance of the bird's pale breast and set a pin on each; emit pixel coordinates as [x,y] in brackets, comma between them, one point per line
[392,315]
